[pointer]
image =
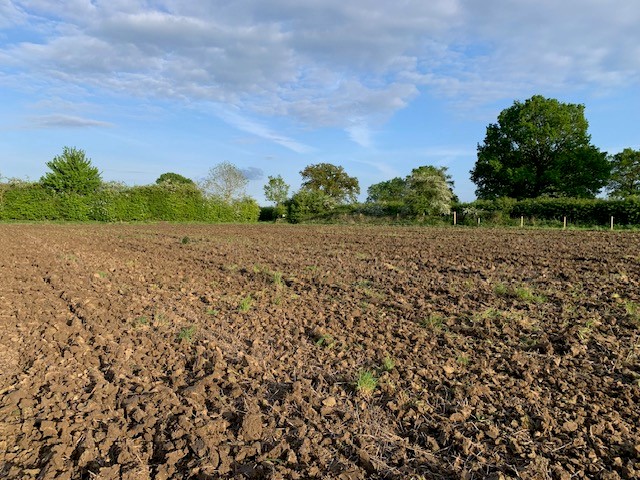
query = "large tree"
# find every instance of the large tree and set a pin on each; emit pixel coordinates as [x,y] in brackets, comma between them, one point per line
[174,178]
[625,174]
[72,172]
[224,181]
[332,181]
[388,191]
[539,147]
[277,191]
[429,190]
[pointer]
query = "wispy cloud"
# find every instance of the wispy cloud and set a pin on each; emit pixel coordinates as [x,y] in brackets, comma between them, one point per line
[64,121]
[321,62]
[250,126]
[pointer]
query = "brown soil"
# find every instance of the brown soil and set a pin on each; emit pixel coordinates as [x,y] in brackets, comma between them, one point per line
[171,351]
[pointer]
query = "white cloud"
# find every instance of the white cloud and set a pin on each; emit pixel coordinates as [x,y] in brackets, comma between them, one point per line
[323,62]
[64,121]
[247,125]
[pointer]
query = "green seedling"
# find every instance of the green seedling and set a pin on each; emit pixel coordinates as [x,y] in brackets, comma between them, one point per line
[633,310]
[501,289]
[462,360]
[433,322]
[185,240]
[141,322]
[585,332]
[213,312]
[187,334]
[527,295]
[325,340]
[388,364]
[245,304]
[277,279]
[366,383]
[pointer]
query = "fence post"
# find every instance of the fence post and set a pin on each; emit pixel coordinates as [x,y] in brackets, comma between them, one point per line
[564,223]
[611,222]
[521,221]
[455,218]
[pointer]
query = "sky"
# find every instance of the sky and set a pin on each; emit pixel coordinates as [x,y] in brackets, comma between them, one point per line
[378,87]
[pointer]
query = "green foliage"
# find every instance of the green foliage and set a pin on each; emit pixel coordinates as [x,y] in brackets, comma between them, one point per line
[539,147]
[118,203]
[366,383]
[389,191]
[226,182]
[187,334]
[28,201]
[245,304]
[277,191]
[582,211]
[72,172]
[175,178]
[307,202]
[428,191]
[388,364]
[625,174]
[332,181]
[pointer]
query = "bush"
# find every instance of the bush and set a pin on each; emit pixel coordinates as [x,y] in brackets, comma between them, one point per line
[577,210]
[307,203]
[118,203]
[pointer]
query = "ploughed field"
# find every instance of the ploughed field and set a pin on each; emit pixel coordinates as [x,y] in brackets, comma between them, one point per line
[276,351]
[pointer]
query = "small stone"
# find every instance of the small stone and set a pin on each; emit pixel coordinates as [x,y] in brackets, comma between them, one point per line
[570,427]
[329,402]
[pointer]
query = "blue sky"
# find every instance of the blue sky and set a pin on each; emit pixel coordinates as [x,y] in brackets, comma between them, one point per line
[378,87]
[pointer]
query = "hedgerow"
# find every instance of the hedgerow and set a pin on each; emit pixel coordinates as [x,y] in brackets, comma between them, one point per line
[577,210]
[118,203]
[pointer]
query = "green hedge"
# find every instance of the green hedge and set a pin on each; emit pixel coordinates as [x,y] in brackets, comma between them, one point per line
[583,211]
[117,203]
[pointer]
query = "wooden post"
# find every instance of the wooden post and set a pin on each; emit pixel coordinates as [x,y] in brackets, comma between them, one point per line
[478,221]
[611,222]
[521,221]
[564,223]
[455,218]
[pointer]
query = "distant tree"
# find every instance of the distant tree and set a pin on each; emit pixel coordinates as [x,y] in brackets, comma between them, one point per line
[174,178]
[429,191]
[306,202]
[537,148]
[225,181]
[625,174]
[72,172]
[388,191]
[331,180]
[277,191]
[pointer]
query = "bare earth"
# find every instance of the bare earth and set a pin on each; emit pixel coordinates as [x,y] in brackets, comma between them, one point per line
[173,351]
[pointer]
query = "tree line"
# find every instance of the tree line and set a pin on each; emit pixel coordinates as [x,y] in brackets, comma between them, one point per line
[537,149]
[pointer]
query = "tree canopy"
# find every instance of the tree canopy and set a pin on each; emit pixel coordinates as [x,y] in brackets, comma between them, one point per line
[174,178]
[388,191]
[539,148]
[625,174]
[276,190]
[225,181]
[72,172]
[429,191]
[331,180]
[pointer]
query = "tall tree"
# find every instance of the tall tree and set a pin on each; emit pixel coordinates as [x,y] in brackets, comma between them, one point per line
[429,190]
[625,174]
[72,172]
[539,147]
[388,191]
[276,190]
[174,178]
[331,180]
[225,181]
